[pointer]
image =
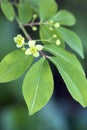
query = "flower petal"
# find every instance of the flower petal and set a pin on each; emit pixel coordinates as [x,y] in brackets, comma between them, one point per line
[31,43]
[39,47]
[15,39]
[18,45]
[36,54]
[28,52]
[19,36]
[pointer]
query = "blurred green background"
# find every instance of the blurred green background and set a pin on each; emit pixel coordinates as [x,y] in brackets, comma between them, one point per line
[62,112]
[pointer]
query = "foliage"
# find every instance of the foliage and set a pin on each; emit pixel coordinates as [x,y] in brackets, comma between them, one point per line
[38,82]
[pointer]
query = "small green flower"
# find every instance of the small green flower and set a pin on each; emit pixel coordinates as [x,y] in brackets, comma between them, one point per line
[19,40]
[34,49]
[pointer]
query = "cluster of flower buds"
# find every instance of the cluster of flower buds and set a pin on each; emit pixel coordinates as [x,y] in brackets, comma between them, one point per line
[53,25]
[58,42]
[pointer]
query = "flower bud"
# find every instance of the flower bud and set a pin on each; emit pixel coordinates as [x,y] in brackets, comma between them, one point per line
[58,42]
[34,16]
[34,28]
[54,36]
[51,28]
[56,25]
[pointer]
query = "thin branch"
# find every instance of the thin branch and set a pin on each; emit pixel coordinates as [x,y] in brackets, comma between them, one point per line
[36,23]
[23,29]
[43,54]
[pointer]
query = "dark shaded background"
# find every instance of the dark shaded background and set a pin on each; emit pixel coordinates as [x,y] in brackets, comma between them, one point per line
[62,112]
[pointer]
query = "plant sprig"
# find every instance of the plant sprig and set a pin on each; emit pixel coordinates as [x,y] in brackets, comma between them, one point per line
[38,83]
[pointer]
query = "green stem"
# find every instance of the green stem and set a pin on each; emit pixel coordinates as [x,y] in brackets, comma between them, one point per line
[23,29]
[44,40]
[36,23]
[43,54]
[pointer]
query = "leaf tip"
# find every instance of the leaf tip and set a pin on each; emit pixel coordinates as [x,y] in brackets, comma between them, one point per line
[81,53]
[31,112]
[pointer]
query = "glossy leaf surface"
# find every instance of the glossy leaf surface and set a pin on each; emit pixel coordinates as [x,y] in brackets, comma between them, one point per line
[71,72]
[8,10]
[64,17]
[25,12]
[14,65]
[47,9]
[38,86]
[72,39]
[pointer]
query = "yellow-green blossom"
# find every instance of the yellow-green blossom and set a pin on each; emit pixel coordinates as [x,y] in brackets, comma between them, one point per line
[19,40]
[33,49]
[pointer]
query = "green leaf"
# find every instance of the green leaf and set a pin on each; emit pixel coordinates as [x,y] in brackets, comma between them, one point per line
[14,65]
[35,5]
[75,80]
[72,39]
[46,33]
[8,10]
[71,72]
[24,12]
[69,57]
[47,9]
[38,86]
[64,17]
